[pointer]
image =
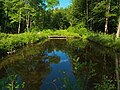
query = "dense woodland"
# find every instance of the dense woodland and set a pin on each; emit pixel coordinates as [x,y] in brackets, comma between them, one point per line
[17,16]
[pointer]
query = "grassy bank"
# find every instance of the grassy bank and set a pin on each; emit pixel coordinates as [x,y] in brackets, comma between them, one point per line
[106,40]
[59,33]
[10,42]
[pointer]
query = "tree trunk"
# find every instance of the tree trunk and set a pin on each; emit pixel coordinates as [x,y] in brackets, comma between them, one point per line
[6,16]
[106,25]
[27,21]
[107,15]
[19,22]
[91,15]
[118,29]
[87,13]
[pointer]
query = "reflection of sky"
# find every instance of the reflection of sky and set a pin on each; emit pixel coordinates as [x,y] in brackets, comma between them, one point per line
[57,71]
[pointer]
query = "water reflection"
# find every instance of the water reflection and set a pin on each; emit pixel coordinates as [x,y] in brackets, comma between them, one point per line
[60,62]
[62,65]
[117,62]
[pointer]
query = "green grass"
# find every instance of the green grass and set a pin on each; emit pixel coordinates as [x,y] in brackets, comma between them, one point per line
[10,42]
[59,33]
[103,39]
[106,40]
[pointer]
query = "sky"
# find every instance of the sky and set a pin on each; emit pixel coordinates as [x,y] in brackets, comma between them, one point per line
[64,3]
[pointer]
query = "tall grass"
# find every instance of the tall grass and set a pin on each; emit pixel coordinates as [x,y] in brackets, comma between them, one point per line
[9,42]
[103,39]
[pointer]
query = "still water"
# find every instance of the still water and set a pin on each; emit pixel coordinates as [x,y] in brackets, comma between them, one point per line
[61,65]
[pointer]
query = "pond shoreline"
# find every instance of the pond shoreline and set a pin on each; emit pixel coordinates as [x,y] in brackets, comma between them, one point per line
[106,40]
[9,43]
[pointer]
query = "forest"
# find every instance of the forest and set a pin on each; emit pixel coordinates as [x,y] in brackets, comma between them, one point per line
[18,16]
[30,20]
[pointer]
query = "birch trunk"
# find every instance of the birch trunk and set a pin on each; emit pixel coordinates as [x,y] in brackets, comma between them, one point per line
[27,21]
[91,15]
[19,21]
[107,15]
[106,25]
[118,29]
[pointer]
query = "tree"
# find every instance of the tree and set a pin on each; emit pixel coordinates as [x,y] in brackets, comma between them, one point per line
[79,9]
[29,13]
[70,16]
[52,3]
[107,15]
[15,12]
[59,19]
[2,15]
[118,28]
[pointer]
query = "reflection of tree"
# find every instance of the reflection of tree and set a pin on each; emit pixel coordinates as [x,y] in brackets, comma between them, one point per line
[11,83]
[117,62]
[54,59]
[32,71]
[55,44]
[104,59]
[83,71]
[65,46]
[106,84]
[29,62]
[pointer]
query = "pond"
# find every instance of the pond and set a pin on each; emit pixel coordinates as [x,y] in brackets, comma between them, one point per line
[61,65]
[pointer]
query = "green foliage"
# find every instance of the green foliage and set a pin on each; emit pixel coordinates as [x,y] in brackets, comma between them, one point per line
[10,42]
[67,83]
[103,39]
[83,72]
[78,67]
[81,30]
[52,3]
[65,33]
[78,28]
[43,15]
[117,45]
[106,84]
[3,35]
[59,19]
[79,9]
[11,83]
[13,41]
[77,43]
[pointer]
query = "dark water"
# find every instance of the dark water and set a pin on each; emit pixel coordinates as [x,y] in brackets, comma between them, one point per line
[61,65]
